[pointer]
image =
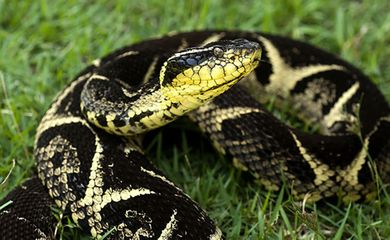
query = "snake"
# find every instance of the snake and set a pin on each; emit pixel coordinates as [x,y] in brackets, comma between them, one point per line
[89,152]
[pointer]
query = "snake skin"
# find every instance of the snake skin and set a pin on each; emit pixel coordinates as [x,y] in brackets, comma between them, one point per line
[29,216]
[83,166]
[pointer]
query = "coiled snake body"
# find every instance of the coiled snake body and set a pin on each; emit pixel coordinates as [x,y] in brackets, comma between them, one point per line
[90,161]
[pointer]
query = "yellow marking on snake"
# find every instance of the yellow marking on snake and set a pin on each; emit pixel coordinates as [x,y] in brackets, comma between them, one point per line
[321,170]
[100,77]
[284,77]
[128,94]
[223,114]
[93,194]
[116,195]
[58,121]
[96,62]
[125,54]
[109,119]
[212,38]
[150,71]
[337,112]
[350,174]
[155,175]
[217,235]
[169,228]
[56,177]
[217,73]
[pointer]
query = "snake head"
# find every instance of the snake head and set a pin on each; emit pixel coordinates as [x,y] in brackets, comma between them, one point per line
[202,73]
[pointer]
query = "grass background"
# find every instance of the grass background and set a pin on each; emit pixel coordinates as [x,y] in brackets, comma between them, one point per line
[43,44]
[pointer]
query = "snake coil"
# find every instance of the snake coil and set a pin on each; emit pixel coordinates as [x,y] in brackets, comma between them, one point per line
[90,160]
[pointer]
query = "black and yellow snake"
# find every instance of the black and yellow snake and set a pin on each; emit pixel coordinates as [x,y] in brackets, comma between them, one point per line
[89,152]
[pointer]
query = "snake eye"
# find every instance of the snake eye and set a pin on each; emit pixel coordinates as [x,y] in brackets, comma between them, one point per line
[218,52]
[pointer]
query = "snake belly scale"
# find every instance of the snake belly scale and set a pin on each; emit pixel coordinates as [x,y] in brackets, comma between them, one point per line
[88,147]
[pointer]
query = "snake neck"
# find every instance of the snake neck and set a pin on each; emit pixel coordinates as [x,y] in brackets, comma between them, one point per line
[124,110]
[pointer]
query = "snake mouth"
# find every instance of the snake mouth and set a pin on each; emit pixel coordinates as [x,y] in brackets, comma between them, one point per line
[250,58]
[228,83]
[256,54]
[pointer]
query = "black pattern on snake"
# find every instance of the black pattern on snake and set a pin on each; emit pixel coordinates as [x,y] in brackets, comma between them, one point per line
[104,181]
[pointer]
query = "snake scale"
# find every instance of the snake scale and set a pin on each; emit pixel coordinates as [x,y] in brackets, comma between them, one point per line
[89,152]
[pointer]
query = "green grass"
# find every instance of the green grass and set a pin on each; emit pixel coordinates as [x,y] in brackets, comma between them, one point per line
[43,44]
